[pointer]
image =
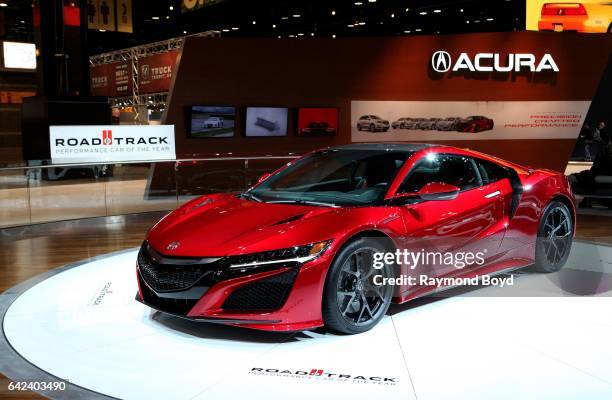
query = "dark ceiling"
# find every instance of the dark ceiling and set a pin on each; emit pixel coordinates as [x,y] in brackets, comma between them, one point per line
[156,20]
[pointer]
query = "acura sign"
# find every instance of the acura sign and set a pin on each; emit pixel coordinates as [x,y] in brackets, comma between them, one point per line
[113,143]
[441,61]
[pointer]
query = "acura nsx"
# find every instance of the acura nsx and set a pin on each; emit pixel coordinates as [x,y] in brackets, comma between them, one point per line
[296,250]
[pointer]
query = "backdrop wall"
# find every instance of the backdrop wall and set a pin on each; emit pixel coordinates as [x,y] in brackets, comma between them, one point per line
[334,72]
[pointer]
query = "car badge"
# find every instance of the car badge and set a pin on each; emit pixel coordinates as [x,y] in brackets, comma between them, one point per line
[173,246]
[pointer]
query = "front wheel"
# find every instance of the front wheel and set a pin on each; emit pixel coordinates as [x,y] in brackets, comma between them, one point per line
[352,301]
[555,235]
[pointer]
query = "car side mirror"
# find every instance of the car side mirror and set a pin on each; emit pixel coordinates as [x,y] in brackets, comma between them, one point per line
[437,191]
[433,191]
[263,177]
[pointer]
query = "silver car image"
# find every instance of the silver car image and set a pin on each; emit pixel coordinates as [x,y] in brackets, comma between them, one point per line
[372,123]
[448,124]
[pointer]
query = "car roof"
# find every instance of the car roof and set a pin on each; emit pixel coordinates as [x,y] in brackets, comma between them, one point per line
[385,146]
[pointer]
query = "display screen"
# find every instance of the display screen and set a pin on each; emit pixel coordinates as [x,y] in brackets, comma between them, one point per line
[212,121]
[266,121]
[19,55]
[314,121]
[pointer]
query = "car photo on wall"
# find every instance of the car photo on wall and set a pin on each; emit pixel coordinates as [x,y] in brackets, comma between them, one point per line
[472,124]
[266,121]
[372,123]
[317,121]
[212,121]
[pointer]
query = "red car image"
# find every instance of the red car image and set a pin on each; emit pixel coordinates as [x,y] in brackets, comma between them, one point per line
[475,123]
[298,250]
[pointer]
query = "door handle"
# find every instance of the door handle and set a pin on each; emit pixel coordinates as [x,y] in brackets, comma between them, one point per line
[492,194]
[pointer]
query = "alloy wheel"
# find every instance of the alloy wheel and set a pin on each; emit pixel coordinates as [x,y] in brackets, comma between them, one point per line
[557,235]
[360,301]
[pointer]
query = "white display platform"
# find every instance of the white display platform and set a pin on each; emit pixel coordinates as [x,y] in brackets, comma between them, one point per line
[83,325]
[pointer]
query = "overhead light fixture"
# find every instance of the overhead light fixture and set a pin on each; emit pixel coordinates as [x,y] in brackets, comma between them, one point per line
[3,5]
[407,31]
[225,30]
[297,15]
[284,18]
[184,32]
[467,22]
[311,33]
[334,36]
[101,30]
[155,18]
[167,17]
[234,28]
[300,34]
[171,8]
[392,15]
[489,19]
[333,12]
[350,25]
[279,36]
[358,3]
[423,13]
[254,22]
[407,9]
[437,11]
[461,10]
[371,1]
[274,26]
[362,23]
[418,30]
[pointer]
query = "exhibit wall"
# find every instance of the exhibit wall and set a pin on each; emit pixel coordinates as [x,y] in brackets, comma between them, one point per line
[548,69]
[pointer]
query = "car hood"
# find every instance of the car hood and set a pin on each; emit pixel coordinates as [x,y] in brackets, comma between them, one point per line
[220,225]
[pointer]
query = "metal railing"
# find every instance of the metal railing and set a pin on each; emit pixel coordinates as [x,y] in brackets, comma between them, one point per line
[47,193]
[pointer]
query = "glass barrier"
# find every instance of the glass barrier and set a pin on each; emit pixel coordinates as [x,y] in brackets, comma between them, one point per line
[37,194]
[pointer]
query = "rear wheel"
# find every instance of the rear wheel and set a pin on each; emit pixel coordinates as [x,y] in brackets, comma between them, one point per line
[352,302]
[555,236]
[372,128]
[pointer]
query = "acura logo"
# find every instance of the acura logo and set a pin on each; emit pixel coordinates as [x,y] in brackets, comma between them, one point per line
[173,246]
[493,62]
[441,61]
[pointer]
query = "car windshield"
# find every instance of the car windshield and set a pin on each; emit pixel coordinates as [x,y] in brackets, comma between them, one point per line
[336,177]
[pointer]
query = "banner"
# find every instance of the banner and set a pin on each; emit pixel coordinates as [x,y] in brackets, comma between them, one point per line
[111,80]
[112,143]
[106,15]
[155,72]
[124,16]
[433,121]
[587,16]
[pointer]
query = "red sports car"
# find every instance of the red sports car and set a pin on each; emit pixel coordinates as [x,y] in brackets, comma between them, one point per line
[475,123]
[302,248]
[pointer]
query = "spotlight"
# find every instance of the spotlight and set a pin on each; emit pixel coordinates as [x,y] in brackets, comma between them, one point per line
[333,12]
[392,15]
[273,25]
[334,36]
[171,8]
[155,18]
[3,5]
[254,22]
[423,13]
[437,11]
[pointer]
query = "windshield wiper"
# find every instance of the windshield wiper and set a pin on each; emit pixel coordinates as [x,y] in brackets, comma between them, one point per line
[250,196]
[307,202]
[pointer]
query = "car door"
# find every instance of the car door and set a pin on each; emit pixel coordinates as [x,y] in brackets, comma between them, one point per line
[464,224]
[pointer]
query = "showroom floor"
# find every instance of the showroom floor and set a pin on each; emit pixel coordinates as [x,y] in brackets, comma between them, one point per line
[420,338]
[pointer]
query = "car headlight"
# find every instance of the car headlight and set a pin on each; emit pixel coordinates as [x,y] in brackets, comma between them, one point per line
[290,255]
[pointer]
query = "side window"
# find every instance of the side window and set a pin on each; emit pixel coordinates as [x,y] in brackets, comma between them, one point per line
[491,172]
[445,168]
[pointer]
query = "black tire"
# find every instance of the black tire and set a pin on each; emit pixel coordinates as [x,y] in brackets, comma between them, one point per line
[555,235]
[372,128]
[345,293]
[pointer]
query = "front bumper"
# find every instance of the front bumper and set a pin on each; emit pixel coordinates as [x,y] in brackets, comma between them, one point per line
[287,298]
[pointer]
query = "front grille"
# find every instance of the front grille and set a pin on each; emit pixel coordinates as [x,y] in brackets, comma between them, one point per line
[169,278]
[170,305]
[264,295]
